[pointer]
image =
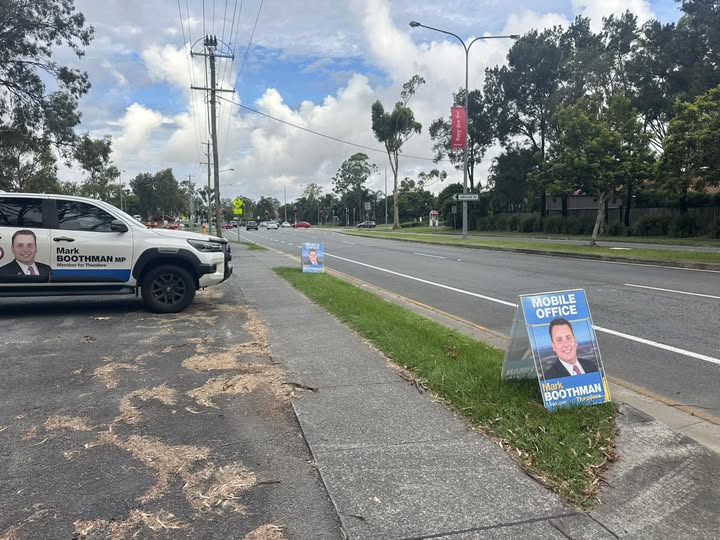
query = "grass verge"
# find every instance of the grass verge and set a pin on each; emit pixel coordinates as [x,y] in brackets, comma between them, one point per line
[250,245]
[640,253]
[568,449]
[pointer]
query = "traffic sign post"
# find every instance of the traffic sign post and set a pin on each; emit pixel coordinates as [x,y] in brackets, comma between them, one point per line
[466,197]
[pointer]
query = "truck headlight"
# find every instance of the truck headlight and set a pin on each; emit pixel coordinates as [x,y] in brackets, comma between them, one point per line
[206,245]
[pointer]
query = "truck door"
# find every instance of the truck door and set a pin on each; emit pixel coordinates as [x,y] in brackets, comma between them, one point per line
[85,249]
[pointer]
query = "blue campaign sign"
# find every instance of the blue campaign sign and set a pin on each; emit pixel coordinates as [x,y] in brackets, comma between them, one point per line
[565,350]
[313,257]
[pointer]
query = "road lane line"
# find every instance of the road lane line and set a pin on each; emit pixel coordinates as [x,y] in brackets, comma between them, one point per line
[670,348]
[449,288]
[672,290]
[433,256]
[644,341]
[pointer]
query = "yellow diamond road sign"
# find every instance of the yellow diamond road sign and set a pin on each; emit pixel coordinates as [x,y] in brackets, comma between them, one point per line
[237,206]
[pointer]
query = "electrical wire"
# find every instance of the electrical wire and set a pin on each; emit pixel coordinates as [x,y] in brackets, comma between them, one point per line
[252,34]
[382,151]
[190,73]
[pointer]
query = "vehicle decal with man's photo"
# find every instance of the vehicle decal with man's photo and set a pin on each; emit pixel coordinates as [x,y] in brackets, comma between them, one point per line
[23,258]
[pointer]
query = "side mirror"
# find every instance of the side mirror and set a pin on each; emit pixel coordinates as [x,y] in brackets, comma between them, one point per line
[118,226]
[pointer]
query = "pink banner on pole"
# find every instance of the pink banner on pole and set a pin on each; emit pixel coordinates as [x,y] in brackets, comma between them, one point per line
[458,130]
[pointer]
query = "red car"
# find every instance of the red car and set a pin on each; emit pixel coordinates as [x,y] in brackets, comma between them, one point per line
[301,225]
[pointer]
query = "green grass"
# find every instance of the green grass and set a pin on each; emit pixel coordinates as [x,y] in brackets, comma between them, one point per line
[641,253]
[567,449]
[250,245]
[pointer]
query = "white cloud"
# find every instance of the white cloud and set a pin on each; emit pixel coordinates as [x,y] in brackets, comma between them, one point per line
[597,9]
[137,126]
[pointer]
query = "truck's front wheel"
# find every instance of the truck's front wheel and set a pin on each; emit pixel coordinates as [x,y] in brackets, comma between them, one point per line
[167,289]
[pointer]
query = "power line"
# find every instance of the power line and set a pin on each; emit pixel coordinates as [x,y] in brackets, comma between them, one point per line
[190,74]
[226,138]
[248,45]
[321,134]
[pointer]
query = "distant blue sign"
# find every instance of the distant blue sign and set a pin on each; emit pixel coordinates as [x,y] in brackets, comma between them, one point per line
[313,257]
[565,351]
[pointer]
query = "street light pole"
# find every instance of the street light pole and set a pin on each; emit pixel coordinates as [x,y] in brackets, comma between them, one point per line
[415,24]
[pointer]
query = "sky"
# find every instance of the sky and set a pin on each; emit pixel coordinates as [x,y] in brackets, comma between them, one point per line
[316,64]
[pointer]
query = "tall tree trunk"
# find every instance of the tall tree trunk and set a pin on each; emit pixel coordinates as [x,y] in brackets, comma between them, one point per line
[628,204]
[599,218]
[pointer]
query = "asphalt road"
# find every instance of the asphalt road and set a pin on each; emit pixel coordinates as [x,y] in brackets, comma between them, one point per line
[119,423]
[657,327]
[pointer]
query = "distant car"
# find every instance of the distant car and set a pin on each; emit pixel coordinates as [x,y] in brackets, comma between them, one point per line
[285,225]
[251,225]
[272,225]
[227,226]
[301,225]
[366,225]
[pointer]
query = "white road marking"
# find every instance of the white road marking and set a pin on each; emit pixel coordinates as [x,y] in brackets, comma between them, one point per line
[433,256]
[672,290]
[659,345]
[644,341]
[434,284]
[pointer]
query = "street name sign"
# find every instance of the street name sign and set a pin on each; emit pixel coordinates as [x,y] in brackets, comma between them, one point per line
[466,196]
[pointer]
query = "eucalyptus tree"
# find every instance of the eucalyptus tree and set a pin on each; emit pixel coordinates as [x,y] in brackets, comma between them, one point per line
[159,193]
[480,134]
[93,156]
[394,129]
[350,179]
[33,119]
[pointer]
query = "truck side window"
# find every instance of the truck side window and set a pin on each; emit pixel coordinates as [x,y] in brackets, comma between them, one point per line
[20,212]
[80,216]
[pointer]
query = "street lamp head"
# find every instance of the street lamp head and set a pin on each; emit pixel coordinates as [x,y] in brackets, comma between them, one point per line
[415,24]
[514,36]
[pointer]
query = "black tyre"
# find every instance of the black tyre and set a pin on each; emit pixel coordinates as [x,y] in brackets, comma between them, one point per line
[167,289]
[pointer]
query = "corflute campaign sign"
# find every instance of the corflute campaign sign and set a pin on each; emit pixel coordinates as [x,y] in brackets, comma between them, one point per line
[313,257]
[565,351]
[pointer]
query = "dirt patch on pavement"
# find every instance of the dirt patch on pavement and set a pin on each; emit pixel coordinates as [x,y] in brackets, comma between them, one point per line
[266,532]
[129,414]
[131,527]
[228,359]
[252,377]
[106,373]
[72,423]
[210,488]
[165,460]
[216,488]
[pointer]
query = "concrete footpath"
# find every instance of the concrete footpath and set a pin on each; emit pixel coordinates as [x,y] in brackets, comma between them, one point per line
[398,465]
